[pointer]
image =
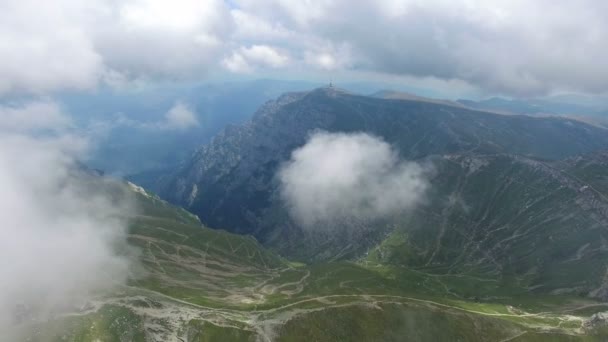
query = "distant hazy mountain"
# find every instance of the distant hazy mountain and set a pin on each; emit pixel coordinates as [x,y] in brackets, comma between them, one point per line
[128,124]
[398,95]
[563,105]
[131,142]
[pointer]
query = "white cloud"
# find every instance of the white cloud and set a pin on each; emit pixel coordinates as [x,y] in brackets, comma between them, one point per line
[300,13]
[180,117]
[337,176]
[237,63]
[266,56]
[63,236]
[33,116]
[328,57]
[154,39]
[70,44]
[60,231]
[176,15]
[251,27]
[246,59]
[324,60]
[512,47]
[43,48]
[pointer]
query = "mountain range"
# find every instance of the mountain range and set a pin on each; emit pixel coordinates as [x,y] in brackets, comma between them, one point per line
[508,243]
[231,183]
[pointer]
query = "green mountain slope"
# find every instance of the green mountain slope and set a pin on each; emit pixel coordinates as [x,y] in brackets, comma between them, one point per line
[513,219]
[198,284]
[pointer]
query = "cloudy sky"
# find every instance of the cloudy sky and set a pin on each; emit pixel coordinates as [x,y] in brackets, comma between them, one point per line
[510,47]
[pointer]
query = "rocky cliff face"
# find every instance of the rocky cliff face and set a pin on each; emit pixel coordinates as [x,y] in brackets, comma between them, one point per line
[231,180]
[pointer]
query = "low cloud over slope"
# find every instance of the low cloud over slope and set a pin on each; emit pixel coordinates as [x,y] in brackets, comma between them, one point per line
[61,234]
[338,176]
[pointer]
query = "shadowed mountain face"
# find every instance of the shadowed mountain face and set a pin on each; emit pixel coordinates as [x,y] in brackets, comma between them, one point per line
[231,182]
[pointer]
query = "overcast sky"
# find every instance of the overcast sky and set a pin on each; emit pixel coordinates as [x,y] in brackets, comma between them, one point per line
[510,47]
